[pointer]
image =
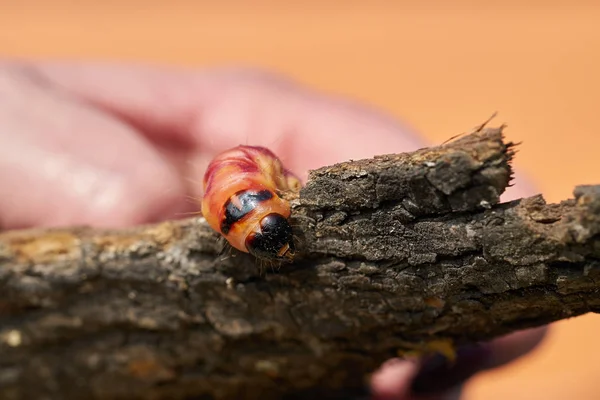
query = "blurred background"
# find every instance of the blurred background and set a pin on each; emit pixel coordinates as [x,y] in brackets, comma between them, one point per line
[442,66]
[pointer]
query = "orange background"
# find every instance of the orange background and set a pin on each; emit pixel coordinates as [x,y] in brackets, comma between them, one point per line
[442,66]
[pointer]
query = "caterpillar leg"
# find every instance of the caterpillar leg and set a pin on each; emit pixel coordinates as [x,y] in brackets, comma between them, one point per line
[292,182]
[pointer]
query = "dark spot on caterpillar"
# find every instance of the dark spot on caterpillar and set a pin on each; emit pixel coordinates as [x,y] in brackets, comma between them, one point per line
[248,200]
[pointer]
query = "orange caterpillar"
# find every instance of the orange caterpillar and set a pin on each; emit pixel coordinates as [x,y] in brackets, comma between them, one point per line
[242,188]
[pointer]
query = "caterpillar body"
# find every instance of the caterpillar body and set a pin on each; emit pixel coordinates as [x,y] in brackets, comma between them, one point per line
[242,201]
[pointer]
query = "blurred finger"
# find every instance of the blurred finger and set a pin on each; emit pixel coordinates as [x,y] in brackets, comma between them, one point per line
[436,378]
[66,163]
[510,347]
[216,110]
[393,379]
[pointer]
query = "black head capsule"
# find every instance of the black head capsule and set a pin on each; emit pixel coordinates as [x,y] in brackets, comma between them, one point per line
[274,242]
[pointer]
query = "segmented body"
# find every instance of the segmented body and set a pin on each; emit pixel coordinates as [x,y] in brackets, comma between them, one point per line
[242,202]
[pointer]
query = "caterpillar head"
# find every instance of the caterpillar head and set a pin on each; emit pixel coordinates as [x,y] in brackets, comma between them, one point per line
[274,240]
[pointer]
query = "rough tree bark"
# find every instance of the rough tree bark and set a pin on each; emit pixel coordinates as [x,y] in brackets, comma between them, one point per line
[400,253]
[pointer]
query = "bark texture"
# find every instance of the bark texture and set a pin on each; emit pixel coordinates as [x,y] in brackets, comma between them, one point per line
[399,254]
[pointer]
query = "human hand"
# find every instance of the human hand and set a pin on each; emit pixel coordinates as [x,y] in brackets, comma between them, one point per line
[110,145]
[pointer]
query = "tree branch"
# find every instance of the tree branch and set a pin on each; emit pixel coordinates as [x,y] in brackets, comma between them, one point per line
[400,253]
